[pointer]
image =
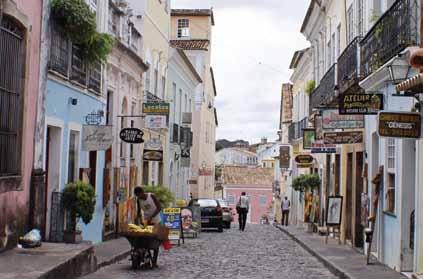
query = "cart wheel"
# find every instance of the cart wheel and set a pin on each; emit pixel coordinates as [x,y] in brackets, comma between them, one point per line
[149,259]
[135,258]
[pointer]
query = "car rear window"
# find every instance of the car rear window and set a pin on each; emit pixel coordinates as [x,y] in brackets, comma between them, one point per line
[207,203]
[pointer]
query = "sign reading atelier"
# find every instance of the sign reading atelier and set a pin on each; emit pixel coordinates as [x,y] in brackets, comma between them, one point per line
[157,108]
[360,103]
[343,137]
[304,159]
[399,125]
[131,135]
[333,120]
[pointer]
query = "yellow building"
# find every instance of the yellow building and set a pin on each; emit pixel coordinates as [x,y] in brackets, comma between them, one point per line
[191,30]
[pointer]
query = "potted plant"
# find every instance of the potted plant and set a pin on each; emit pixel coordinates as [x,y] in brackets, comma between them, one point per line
[307,183]
[79,203]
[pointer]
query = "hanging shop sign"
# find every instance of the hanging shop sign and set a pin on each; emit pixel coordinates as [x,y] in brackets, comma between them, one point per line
[185,162]
[360,103]
[153,144]
[304,159]
[343,137]
[333,120]
[318,127]
[155,121]
[205,172]
[321,147]
[308,138]
[153,155]
[186,136]
[96,138]
[156,108]
[284,157]
[173,221]
[131,135]
[399,125]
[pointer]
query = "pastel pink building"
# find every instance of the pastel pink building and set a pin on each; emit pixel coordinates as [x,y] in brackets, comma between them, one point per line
[20,32]
[256,182]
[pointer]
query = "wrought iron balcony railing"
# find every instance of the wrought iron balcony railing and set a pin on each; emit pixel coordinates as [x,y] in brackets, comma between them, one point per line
[295,130]
[395,30]
[324,94]
[68,63]
[348,71]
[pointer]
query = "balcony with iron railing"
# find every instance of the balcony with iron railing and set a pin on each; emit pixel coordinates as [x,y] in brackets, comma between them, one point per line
[324,94]
[348,67]
[395,30]
[295,130]
[66,62]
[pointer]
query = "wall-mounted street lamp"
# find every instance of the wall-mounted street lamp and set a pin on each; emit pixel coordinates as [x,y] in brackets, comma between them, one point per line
[398,70]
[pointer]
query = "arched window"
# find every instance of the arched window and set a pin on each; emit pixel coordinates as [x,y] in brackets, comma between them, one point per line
[12,69]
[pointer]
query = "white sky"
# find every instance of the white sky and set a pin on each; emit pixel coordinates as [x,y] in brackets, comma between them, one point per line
[253,43]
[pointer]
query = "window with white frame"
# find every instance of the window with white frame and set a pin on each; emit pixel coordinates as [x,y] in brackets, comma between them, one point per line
[156,81]
[328,55]
[183,28]
[73,156]
[390,189]
[163,87]
[333,48]
[360,25]
[338,40]
[350,22]
[148,80]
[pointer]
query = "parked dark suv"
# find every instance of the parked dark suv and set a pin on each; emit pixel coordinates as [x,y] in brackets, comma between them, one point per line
[211,213]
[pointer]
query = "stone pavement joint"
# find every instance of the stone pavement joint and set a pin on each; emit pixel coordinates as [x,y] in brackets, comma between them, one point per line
[340,259]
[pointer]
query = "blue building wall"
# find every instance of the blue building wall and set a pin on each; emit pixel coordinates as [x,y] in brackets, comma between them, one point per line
[59,107]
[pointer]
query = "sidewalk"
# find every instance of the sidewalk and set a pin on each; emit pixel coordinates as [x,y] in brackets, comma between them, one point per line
[59,260]
[340,259]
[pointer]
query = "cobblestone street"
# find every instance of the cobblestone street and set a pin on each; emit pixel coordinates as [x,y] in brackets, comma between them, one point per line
[259,252]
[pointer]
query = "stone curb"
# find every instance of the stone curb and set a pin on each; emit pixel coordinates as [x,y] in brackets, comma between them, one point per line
[326,262]
[114,259]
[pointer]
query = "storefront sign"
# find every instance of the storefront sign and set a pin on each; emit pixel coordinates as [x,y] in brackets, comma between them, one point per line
[333,120]
[360,103]
[186,136]
[284,157]
[304,159]
[321,147]
[95,138]
[399,125]
[153,155]
[172,220]
[205,172]
[157,108]
[343,137]
[308,138]
[153,144]
[131,135]
[155,121]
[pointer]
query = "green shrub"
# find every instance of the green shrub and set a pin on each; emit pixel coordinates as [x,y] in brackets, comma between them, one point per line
[79,201]
[163,194]
[310,86]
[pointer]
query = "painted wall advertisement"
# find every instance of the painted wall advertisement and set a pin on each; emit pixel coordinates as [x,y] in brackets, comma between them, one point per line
[95,138]
[360,103]
[399,125]
[172,220]
[343,137]
[333,120]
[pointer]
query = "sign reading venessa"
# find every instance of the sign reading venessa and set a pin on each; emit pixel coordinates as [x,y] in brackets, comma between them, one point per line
[399,124]
[333,120]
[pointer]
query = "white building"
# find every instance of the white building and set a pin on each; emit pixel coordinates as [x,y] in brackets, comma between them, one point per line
[236,156]
[183,81]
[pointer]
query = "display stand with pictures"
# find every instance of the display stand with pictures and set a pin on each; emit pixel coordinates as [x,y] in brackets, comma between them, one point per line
[334,217]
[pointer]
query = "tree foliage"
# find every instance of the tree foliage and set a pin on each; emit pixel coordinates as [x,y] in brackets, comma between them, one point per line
[306,182]
[79,23]
[163,194]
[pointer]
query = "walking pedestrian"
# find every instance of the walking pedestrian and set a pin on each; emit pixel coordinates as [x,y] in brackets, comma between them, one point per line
[242,209]
[286,205]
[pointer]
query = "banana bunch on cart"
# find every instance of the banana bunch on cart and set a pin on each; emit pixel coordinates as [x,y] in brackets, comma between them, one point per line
[132,228]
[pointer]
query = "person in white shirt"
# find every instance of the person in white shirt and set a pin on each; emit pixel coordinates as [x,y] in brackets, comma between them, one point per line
[286,204]
[243,206]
